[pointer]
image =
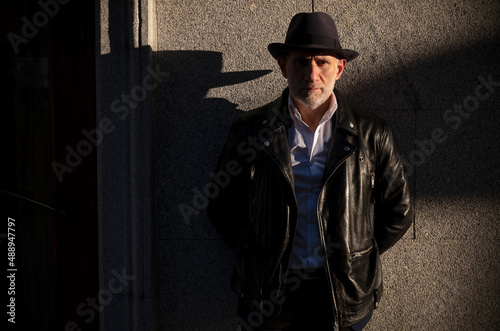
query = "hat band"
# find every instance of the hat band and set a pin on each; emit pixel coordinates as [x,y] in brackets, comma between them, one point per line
[314,39]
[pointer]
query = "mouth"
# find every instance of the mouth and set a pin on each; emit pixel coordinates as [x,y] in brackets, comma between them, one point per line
[311,90]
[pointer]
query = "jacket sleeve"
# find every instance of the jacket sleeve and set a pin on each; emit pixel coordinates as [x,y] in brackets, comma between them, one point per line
[227,210]
[393,205]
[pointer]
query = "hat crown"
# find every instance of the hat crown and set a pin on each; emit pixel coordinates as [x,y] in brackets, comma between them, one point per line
[306,26]
[312,31]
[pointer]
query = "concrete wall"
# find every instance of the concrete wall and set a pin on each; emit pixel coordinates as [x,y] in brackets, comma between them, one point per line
[424,66]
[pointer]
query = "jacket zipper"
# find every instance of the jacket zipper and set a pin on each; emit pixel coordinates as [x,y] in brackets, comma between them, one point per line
[322,235]
[282,289]
[372,197]
[252,176]
[361,253]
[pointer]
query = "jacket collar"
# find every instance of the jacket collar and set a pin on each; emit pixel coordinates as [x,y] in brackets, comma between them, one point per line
[277,122]
[274,127]
[344,119]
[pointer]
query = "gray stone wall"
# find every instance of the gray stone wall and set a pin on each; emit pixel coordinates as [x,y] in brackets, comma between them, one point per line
[430,68]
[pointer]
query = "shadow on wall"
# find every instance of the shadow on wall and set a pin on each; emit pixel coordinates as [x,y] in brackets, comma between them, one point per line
[191,127]
[443,111]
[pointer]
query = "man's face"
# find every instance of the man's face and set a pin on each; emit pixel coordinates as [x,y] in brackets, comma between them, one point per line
[311,76]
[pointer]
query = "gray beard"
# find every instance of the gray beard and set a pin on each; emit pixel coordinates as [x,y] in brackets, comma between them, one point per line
[312,102]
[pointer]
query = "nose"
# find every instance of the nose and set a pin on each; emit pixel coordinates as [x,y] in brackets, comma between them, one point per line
[312,73]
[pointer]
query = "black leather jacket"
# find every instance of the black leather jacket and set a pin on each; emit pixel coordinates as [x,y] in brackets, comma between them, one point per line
[363,208]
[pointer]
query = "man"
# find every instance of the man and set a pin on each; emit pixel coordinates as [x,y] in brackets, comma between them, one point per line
[316,191]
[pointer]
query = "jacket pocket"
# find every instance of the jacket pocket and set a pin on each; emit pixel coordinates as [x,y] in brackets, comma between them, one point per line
[362,276]
[370,204]
[358,254]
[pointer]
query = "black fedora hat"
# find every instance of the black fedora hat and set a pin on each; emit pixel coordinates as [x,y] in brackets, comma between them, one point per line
[312,31]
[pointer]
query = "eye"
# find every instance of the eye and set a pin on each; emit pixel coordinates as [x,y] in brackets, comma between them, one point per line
[303,62]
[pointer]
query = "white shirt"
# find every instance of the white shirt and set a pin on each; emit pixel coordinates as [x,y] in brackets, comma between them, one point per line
[309,150]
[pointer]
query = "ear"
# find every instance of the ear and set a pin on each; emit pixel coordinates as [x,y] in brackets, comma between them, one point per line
[282,64]
[340,67]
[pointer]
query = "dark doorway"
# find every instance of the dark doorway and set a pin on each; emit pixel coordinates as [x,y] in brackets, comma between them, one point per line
[49,181]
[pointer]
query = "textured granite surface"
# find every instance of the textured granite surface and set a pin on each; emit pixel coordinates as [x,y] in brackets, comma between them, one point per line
[419,61]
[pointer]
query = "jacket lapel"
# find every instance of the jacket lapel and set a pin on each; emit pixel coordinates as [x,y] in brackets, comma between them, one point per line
[277,148]
[341,145]
[276,145]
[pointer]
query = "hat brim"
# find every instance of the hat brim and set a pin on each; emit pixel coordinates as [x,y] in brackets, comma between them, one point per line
[281,50]
[236,77]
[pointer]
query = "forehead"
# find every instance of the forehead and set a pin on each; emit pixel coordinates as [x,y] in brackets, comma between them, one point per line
[308,54]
